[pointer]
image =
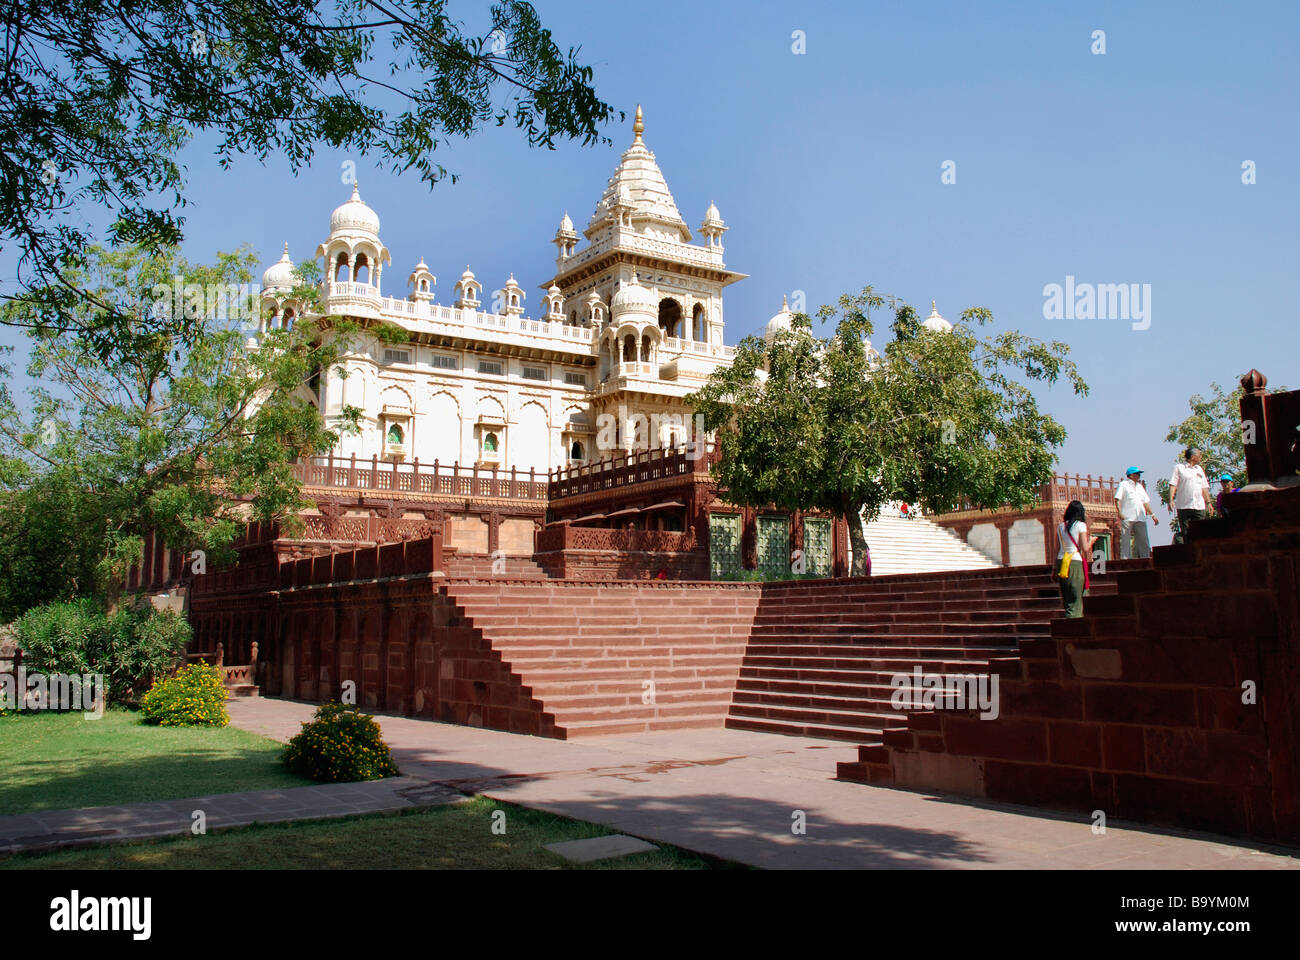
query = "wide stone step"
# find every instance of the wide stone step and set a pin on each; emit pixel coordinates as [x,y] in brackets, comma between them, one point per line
[816,731]
[921,651]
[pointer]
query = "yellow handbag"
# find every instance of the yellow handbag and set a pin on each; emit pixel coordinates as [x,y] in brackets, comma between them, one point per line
[1063,568]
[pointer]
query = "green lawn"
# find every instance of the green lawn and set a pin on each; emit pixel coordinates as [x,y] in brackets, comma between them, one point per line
[56,761]
[453,837]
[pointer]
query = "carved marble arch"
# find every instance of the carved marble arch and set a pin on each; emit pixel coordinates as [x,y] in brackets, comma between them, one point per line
[700,323]
[670,317]
[361,271]
[342,270]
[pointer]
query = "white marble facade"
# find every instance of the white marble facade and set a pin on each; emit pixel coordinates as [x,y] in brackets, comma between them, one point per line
[628,325]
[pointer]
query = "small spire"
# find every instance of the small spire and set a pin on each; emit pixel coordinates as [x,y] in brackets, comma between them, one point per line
[638,127]
[356,191]
[286,248]
[785,304]
[933,307]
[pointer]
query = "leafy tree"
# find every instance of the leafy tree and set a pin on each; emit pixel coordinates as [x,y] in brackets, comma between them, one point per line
[189,431]
[98,97]
[49,543]
[812,423]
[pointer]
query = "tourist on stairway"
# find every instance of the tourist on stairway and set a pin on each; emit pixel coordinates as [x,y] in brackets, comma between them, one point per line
[1189,491]
[1225,486]
[1134,507]
[1072,558]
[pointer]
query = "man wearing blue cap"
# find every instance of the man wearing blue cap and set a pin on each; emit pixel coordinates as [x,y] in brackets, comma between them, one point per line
[1134,507]
[1225,486]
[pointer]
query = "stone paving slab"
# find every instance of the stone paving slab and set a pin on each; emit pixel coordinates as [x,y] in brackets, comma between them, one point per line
[600,848]
[92,826]
[733,794]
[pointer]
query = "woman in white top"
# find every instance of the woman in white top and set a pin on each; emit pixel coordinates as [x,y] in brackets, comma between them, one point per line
[1072,535]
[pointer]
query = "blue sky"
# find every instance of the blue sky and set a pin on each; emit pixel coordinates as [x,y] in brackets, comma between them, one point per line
[1117,168]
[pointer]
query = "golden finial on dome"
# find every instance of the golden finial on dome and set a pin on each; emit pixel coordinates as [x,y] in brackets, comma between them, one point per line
[638,127]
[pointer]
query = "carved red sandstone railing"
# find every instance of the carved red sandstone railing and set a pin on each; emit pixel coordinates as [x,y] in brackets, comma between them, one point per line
[568,537]
[1063,488]
[454,480]
[368,529]
[436,479]
[625,469]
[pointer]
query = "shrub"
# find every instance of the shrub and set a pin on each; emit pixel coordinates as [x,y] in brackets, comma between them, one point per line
[341,745]
[195,697]
[130,646]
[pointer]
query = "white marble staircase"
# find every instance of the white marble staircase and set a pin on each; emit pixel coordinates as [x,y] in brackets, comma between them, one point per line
[913,544]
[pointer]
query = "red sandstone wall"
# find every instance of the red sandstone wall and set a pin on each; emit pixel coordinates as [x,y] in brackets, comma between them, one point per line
[1137,709]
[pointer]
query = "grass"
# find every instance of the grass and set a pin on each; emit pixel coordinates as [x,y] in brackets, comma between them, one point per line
[57,761]
[452,837]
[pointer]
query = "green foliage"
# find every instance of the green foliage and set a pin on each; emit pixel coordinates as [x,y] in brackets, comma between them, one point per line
[195,697]
[820,423]
[99,99]
[174,425]
[129,646]
[341,745]
[50,542]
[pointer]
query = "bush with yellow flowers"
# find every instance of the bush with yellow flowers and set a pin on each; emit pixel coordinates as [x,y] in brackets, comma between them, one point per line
[194,697]
[340,745]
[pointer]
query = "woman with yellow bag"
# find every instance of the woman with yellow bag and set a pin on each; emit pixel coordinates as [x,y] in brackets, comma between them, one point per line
[1072,559]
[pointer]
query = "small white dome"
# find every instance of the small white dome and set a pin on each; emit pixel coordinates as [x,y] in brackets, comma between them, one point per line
[783,322]
[935,322]
[354,217]
[566,225]
[468,274]
[279,275]
[633,298]
[554,290]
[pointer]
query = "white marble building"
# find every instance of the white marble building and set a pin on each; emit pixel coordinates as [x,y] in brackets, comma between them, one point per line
[628,325]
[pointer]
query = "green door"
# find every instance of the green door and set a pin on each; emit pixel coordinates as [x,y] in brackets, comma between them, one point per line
[817,546]
[724,546]
[773,547]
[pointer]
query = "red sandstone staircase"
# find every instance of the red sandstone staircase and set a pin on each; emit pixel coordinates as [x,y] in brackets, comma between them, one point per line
[587,650]
[821,654]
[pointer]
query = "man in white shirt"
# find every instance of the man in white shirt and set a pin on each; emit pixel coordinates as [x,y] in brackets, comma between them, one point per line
[1134,507]
[1189,491]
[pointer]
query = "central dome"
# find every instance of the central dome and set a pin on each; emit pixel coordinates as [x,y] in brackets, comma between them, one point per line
[354,217]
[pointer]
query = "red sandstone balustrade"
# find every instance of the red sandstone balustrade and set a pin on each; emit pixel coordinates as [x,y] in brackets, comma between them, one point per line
[565,536]
[624,469]
[437,480]
[1063,488]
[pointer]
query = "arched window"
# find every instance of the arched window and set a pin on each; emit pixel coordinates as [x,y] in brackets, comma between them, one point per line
[629,349]
[490,443]
[362,274]
[576,451]
[645,348]
[573,318]
[341,272]
[700,324]
[395,434]
[287,322]
[670,317]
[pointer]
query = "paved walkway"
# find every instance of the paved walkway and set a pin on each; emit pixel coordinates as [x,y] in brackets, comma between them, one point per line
[62,829]
[736,795]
